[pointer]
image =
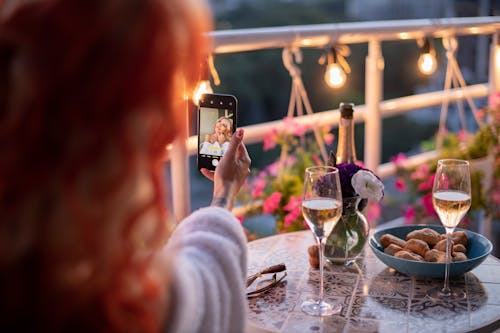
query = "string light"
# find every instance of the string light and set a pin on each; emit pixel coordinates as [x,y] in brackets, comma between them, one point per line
[427,63]
[335,76]
[203,86]
[337,66]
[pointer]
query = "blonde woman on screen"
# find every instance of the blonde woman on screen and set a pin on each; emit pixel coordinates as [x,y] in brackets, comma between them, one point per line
[218,142]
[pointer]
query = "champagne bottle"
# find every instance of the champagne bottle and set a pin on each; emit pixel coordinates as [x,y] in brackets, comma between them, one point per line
[346,150]
[349,236]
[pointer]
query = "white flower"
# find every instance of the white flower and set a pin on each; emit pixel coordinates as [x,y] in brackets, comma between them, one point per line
[367,185]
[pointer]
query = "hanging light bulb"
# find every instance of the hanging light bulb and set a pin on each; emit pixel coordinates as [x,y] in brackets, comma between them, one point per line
[427,63]
[335,75]
[202,87]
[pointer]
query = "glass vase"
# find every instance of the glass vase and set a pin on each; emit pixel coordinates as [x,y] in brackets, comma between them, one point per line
[349,236]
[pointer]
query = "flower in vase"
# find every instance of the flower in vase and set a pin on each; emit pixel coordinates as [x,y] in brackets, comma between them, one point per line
[367,185]
[358,181]
[359,185]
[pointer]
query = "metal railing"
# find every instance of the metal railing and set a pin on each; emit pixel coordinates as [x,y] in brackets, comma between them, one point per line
[375,109]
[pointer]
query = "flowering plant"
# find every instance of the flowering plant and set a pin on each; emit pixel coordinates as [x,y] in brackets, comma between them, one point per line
[484,143]
[493,112]
[277,189]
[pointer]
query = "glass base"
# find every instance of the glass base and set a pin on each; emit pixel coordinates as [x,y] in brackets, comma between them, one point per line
[439,294]
[320,309]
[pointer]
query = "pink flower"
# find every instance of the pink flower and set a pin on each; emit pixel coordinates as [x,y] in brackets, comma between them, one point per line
[259,188]
[262,174]
[328,138]
[494,100]
[399,159]
[409,214]
[293,203]
[360,163]
[292,126]
[426,184]
[421,173]
[400,185]
[270,140]
[442,131]
[291,217]
[426,201]
[271,203]
[326,135]
[462,136]
[290,161]
[240,218]
[317,160]
[273,168]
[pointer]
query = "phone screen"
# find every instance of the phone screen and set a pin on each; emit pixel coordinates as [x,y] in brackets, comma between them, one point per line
[216,125]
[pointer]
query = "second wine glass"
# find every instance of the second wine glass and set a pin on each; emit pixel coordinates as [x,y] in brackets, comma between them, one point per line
[322,208]
[451,197]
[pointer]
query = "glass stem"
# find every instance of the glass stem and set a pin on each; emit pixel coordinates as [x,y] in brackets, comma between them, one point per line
[446,289]
[321,249]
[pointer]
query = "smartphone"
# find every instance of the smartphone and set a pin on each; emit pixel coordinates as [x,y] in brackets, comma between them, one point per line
[217,116]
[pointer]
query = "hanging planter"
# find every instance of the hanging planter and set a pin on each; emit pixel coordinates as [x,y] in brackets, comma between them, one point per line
[481,148]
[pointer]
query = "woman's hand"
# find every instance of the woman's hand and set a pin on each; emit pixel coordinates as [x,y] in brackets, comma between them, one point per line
[230,173]
[221,138]
[210,138]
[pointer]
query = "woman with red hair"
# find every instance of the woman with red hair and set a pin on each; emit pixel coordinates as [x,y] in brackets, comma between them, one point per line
[89,93]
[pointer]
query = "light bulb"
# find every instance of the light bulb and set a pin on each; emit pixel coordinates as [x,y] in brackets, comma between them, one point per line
[427,63]
[203,87]
[335,76]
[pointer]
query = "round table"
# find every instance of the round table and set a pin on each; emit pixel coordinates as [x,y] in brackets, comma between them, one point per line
[374,297]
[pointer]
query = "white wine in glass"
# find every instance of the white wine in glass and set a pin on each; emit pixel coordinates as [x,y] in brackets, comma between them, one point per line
[322,208]
[451,197]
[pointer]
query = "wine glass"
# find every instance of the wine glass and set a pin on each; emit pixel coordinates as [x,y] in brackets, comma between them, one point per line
[322,208]
[451,197]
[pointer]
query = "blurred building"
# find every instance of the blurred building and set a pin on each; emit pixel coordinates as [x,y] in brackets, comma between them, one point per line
[399,9]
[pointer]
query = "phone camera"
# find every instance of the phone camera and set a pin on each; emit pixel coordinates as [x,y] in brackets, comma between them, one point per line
[220,103]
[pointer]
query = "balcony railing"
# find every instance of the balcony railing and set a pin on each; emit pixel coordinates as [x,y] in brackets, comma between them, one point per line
[374,34]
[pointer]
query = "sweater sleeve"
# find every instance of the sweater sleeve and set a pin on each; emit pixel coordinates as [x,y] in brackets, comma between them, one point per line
[207,254]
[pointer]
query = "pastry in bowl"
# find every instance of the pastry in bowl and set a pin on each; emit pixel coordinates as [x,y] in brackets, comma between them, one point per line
[472,250]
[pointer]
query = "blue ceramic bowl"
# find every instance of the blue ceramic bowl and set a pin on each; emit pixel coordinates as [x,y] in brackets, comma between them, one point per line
[478,249]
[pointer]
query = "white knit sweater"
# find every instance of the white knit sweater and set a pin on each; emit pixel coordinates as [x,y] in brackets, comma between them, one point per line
[208,265]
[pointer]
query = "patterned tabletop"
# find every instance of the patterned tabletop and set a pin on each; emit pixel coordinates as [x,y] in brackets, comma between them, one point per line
[374,297]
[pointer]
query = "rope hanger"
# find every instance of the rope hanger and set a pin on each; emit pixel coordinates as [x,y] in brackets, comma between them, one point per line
[298,96]
[453,77]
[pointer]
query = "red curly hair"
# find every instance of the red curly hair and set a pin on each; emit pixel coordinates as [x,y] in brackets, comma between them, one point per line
[89,93]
